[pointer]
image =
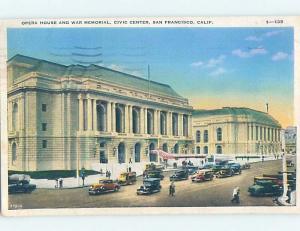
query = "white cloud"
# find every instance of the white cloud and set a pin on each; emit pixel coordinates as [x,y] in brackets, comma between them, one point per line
[247,54]
[218,71]
[253,38]
[279,56]
[272,33]
[197,64]
[120,68]
[210,63]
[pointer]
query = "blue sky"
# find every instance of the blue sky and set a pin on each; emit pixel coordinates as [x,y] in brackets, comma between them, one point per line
[212,67]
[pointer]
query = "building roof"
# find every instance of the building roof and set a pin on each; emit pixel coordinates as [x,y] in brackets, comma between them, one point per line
[94,71]
[253,115]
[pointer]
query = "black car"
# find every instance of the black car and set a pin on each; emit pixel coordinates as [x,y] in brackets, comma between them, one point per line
[180,175]
[153,174]
[236,168]
[19,183]
[150,185]
[191,169]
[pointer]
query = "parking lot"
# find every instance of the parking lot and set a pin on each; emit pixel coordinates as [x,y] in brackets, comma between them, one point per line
[217,192]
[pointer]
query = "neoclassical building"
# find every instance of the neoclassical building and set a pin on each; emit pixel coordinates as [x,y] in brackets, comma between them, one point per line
[65,117]
[236,131]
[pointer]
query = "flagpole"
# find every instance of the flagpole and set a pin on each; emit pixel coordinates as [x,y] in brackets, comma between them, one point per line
[148,81]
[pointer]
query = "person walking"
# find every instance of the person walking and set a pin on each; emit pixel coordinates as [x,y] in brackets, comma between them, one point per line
[172,189]
[236,195]
[288,194]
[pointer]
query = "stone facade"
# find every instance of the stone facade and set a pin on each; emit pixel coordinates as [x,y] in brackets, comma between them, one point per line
[68,117]
[290,136]
[236,131]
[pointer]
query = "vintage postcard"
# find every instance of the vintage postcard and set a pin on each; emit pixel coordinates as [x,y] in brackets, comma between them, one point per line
[149,115]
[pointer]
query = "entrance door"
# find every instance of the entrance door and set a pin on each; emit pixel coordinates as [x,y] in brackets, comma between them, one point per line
[121,153]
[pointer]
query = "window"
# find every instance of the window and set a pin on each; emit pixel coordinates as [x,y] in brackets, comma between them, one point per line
[44,107]
[260,133]
[44,144]
[198,150]
[219,149]
[44,126]
[205,136]
[185,125]
[219,134]
[198,136]
[205,150]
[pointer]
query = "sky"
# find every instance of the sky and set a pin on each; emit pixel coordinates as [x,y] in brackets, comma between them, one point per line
[212,67]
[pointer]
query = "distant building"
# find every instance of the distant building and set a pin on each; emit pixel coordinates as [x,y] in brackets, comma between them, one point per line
[238,131]
[69,117]
[290,135]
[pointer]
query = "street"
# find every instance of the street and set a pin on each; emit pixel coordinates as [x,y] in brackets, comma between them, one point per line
[214,193]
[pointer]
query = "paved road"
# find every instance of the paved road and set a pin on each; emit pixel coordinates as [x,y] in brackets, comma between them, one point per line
[214,193]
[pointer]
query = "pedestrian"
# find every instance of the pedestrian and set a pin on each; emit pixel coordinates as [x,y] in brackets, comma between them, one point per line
[83,178]
[130,161]
[56,183]
[109,174]
[236,195]
[60,183]
[172,189]
[288,194]
[129,169]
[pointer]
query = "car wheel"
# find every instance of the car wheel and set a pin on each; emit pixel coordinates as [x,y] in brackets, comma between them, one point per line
[117,189]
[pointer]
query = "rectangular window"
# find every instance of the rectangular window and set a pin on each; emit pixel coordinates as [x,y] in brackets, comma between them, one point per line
[44,107]
[44,126]
[44,144]
[256,132]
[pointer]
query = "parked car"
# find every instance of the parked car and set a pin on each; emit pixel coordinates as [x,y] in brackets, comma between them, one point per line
[208,165]
[290,163]
[265,188]
[153,166]
[127,178]
[246,166]
[278,178]
[217,167]
[153,174]
[104,185]
[224,172]
[180,175]
[236,167]
[191,169]
[20,183]
[203,175]
[150,185]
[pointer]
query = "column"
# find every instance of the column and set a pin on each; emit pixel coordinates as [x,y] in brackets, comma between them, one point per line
[155,115]
[130,118]
[127,118]
[190,126]
[80,113]
[145,114]
[108,117]
[180,124]
[169,123]
[20,117]
[142,121]
[95,128]
[113,111]
[158,122]
[89,114]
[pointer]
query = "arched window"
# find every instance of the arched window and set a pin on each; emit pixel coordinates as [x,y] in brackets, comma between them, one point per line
[198,136]
[219,149]
[185,125]
[101,117]
[119,119]
[198,150]
[152,156]
[15,117]
[205,150]
[165,147]
[150,122]
[121,153]
[14,153]
[219,134]
[103,153]
[137,152]
[176,148]
[135,120]
[163,123]
[205,136]
[175,124]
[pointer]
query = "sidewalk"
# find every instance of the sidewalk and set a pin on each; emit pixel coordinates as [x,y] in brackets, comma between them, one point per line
[282,200]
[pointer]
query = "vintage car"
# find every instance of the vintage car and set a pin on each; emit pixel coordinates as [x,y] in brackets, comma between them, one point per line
[265,188]
[236,167]
[153,174]
[208,165]
[150,185]
[153,166]
[104,185]
[245,166]
[203,175]
[217,167]
[191,169]
[278,179]
[180,175]
[20,183]
[226,171]
[127,178]
[290,163]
